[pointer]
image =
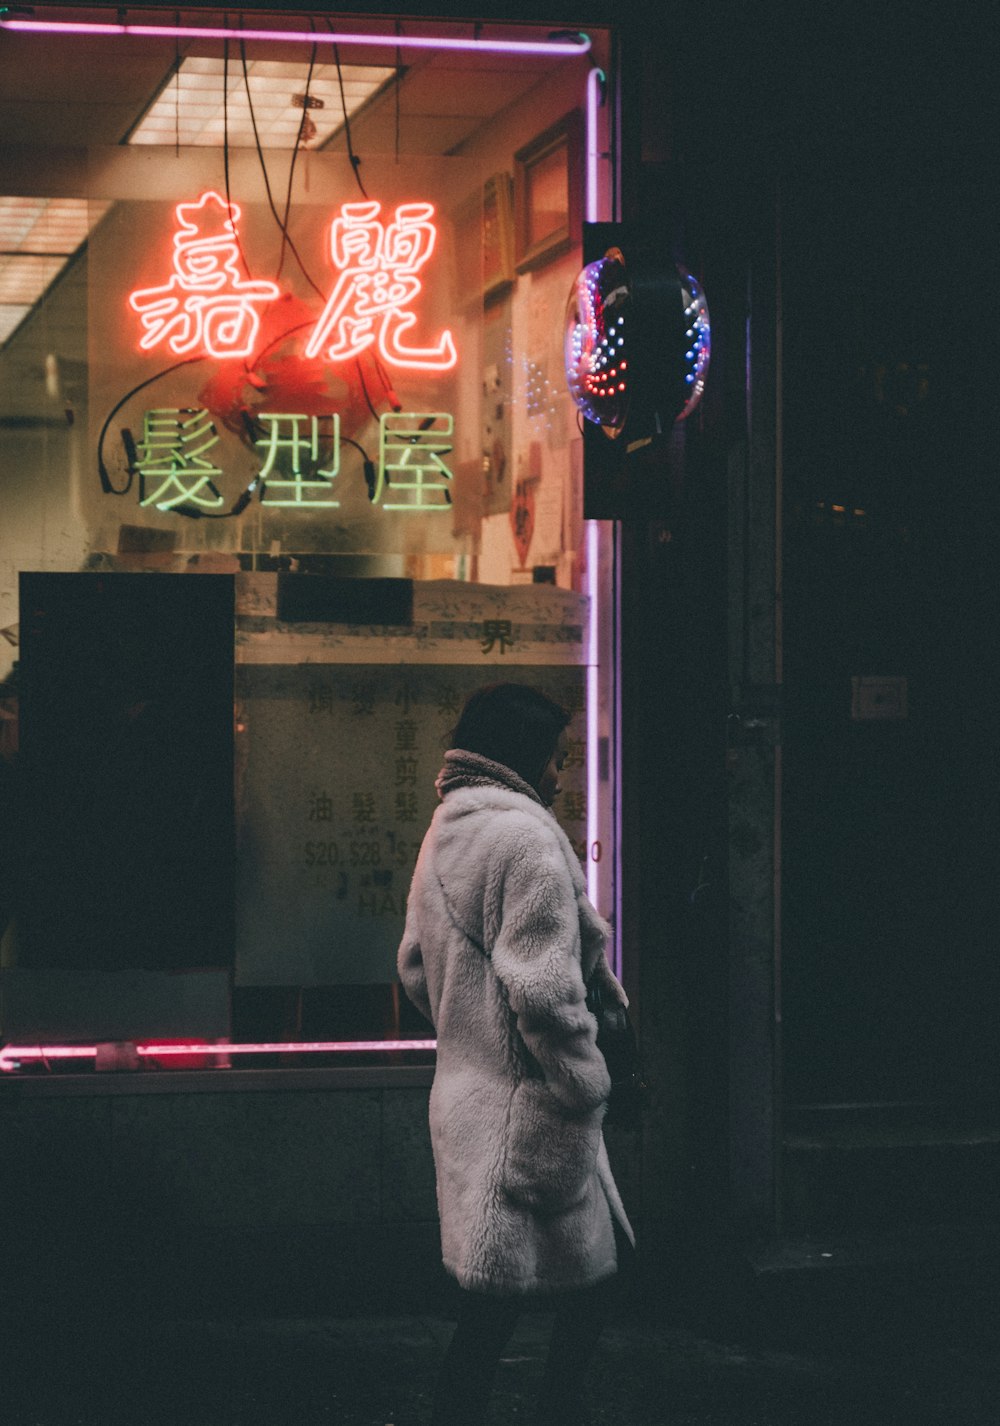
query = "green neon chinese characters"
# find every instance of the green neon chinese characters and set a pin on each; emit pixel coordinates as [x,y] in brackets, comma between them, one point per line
[300,460]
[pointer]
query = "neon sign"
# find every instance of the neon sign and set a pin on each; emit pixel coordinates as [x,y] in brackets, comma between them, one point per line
[378,266]
[300,460]
[205,305]
[299,487]
[208,307]
[410,448]
[171,464]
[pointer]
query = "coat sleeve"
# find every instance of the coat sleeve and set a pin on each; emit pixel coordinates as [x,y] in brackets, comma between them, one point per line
[410,965]
[536,956]
[603,969]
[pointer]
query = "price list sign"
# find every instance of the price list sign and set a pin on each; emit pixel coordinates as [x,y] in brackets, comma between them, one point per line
[335,790]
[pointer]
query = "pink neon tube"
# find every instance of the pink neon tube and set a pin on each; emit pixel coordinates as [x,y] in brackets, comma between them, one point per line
[12,1056]
[593,711]
[595,101]
[578,46]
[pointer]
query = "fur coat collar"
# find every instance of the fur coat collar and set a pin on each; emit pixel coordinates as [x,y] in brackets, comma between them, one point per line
[463,769]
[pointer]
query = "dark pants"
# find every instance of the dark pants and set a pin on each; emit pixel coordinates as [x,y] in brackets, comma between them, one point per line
[485,1326]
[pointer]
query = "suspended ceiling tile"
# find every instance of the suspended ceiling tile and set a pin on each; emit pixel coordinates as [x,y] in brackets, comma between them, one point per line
[58,325]
[46,225]
[23,278]
[206,89]
[38,238]
[11,317]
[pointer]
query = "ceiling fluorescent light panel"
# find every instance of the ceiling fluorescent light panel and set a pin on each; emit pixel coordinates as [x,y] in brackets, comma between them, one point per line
[38,237]
[189,110]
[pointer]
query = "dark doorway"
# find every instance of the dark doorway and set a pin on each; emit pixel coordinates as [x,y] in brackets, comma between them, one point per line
[891,815]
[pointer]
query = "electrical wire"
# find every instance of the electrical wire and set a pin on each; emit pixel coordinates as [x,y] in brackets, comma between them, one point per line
[286,235]
[225,154]
[367,466]
[102,469]
[291,166]
[283,223]
[364,387]
[383,376]
[399,76]
[355,161]
[256,135]
[177,91]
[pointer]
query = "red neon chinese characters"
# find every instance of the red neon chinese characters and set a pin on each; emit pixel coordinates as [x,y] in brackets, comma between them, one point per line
[206,305]
[378,265]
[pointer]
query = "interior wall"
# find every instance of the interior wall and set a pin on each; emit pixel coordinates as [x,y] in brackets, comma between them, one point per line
[43,411]
[544,446]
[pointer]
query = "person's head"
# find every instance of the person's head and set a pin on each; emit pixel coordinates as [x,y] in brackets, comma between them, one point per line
[519,727]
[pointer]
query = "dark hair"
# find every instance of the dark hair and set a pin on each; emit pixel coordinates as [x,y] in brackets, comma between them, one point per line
[512,724]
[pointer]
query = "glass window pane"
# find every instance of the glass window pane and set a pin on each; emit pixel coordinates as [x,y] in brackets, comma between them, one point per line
[363,422]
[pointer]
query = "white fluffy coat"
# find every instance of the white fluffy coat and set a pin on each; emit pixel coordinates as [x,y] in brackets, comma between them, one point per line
[525,1191]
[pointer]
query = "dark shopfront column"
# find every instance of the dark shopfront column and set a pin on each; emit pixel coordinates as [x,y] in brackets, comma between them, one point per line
[754,740]
[706,1150]
[729,623]
[700,727]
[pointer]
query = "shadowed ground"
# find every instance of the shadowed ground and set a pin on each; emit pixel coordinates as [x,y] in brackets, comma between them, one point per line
[927,1366]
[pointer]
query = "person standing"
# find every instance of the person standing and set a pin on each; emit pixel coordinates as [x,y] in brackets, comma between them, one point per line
[499,944]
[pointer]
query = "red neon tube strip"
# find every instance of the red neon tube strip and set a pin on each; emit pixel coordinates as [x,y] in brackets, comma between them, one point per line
[13,1055]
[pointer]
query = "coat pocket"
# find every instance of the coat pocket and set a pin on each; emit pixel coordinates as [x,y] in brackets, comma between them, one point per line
[551,1156]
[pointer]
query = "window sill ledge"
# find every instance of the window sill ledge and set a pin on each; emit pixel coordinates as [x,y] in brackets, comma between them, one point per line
[218,1081]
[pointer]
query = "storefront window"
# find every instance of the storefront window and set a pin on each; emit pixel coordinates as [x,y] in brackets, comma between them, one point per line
[288,314]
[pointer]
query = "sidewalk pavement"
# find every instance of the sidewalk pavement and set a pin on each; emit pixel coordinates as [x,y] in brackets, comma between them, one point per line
[216,1370]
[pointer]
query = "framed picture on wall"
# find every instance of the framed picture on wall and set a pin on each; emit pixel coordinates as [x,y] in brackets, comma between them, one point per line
[547,193]
[498,235]
[484,228]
